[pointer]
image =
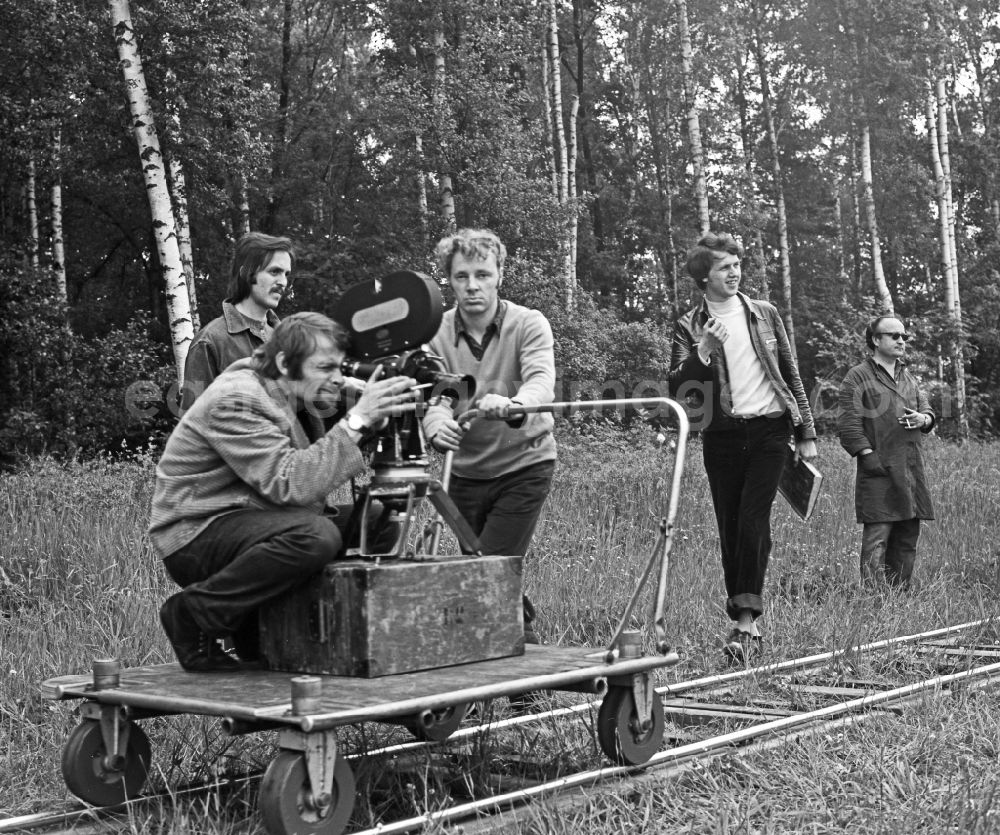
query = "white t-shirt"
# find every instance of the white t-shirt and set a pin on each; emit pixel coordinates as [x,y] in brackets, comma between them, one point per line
[752,392]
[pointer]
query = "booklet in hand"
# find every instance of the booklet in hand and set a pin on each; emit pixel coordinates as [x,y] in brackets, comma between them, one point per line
[800,483]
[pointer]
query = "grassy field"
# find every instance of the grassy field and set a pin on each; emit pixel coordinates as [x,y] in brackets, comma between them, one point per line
[78,581]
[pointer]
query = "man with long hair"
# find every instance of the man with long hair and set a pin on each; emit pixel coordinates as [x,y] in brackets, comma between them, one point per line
[260,277]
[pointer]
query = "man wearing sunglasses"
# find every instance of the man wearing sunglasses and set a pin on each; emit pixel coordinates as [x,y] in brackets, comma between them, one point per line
[883,417]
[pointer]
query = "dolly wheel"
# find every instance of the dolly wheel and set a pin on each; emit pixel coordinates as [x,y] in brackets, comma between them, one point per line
[440,724]
[620,733]
[97,778]
[288,805]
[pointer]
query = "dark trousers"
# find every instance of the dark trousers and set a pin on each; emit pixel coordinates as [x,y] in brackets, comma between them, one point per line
[504,511]
[243,559]
[744,466]
[888,551]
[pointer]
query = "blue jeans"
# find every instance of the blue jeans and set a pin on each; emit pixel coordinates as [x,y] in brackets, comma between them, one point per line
[744,466]
[504,511]
[246,558]
[888,551]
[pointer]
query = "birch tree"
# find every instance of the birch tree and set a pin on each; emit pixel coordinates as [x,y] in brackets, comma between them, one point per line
[779,188]
[693,121]
[31,196]
[58,245]
[151,159]
[937,133]
[565,153]
[446,192]
[868,199]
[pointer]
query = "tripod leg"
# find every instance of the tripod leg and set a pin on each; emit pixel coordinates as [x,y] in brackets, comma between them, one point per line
[456,521]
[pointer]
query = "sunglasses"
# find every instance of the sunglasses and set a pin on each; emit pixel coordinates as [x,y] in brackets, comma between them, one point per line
[903,336]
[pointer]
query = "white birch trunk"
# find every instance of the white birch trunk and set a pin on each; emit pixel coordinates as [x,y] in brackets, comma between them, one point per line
[421,175]
[944,238]
[946,207]
[179,194]
[943,150]
[550,155]
[693,121]
[779,189]
[33,242]
[447,193]
[557,111]
[58,246]
[178,303]
[868,197]
[242,207]
[564,177]
[574,218]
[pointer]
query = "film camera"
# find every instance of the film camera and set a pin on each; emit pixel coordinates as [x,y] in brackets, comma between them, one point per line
[389,320]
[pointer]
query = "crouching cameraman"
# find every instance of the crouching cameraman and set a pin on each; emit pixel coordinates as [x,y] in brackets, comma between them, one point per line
[240,489]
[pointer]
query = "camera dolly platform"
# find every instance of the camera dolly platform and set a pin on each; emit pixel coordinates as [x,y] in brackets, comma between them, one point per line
[309,786]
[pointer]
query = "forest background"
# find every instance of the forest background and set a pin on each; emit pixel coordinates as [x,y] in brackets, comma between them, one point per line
[850,144]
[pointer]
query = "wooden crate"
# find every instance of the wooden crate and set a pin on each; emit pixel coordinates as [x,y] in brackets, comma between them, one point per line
[365,619]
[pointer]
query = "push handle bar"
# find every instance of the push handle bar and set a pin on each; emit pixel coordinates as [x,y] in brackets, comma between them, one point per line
[664,540]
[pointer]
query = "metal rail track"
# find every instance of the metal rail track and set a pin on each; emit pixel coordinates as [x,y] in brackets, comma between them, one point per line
[487,813]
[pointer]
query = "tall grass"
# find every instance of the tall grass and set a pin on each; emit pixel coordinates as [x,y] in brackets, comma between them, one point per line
[78,580]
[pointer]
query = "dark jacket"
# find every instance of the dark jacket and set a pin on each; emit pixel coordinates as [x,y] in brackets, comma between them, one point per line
[218,345]
[689,375]
[871,402]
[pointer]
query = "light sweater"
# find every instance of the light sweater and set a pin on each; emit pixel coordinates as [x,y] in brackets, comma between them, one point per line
[518,363]
[752,393]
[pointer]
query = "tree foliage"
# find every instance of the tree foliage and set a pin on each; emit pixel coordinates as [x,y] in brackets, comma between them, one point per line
[329,120]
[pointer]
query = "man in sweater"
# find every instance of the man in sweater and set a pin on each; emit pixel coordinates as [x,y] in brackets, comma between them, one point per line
[238,505]
[260,277]
[733,353]
[503,467]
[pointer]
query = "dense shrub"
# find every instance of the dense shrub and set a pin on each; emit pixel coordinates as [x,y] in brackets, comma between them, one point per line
[64,393]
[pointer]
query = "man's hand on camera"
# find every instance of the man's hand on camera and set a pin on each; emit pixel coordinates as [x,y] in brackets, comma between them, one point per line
[448,437]
[382,399]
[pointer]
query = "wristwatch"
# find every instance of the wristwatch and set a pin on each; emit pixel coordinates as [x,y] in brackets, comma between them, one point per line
[356,423]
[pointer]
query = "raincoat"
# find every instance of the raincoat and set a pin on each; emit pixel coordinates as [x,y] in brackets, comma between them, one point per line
[871,402]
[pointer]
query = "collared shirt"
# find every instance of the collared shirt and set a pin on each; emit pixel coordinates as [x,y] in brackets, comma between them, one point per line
[492,330]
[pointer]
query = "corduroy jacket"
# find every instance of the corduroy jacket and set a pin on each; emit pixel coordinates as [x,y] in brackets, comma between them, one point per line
[241,445]
[691,379]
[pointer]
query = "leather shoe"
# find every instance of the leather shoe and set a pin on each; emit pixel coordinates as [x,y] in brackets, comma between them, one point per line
[742,647]
[195,651]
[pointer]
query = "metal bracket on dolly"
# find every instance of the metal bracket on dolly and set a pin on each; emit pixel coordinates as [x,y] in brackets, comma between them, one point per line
[115,729]
[320,751]
[643,691]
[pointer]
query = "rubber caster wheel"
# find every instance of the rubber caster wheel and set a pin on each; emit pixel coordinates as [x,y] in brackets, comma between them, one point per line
[287,803]
[442,724]
[95,777]
[622,738]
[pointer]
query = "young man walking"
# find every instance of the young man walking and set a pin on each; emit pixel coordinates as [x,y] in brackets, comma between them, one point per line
[732,353]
